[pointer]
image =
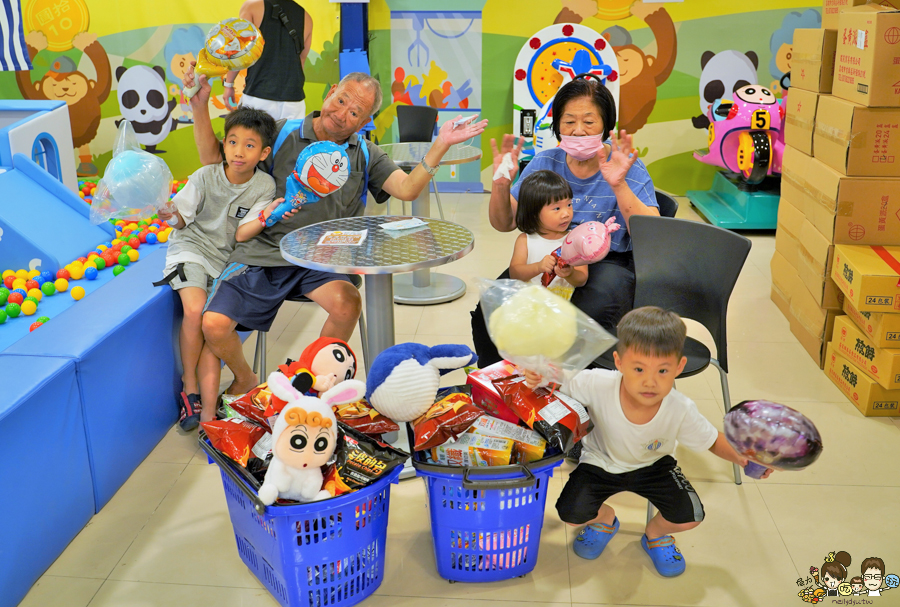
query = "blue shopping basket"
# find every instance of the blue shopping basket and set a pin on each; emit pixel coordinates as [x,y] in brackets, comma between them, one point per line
[328,553]
[486,522]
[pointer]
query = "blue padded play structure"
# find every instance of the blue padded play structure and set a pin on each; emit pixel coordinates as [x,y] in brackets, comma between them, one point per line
[90,393]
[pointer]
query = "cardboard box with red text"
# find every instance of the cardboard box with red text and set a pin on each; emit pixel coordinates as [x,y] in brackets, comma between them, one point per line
[881,364]
[883,329]
[869,276]
[856,140]
[810,323]
[800,120]
[812,60]
[846,210]
[867,62]
[832,8]
[863,391]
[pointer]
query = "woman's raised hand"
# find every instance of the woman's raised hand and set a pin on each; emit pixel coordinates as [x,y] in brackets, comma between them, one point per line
[621,159]
[509,146]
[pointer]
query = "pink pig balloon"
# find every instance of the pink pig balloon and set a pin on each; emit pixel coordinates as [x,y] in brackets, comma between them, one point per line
[587,243]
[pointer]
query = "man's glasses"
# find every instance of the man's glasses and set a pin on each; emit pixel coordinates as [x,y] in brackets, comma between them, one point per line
[872,576]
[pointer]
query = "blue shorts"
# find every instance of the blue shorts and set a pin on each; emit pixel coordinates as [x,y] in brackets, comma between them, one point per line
[252,295]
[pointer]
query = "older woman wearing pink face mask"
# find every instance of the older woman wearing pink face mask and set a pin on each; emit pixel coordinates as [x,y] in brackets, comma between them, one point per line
[607,180]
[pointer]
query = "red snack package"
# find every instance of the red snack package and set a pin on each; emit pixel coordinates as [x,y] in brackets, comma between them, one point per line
[450,415]
[560,419]
[333,482]
[363,418]
[254,403]
[485,396]
[236,438]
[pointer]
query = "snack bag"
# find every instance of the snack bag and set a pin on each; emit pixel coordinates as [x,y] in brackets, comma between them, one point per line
[363,418]
[237,439]
[560,419]
[485,396]
[333,482]
[528,446]
[361,460]
[450,415]
[471,450]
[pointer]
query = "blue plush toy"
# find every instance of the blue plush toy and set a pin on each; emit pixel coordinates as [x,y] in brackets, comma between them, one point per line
[404,379]
[321,169]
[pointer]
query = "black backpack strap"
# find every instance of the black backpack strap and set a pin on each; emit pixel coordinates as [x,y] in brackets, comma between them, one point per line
[167,279]
[298,37]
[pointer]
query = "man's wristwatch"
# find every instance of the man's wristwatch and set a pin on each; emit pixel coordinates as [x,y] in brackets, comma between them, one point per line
[228,85]
[430,170]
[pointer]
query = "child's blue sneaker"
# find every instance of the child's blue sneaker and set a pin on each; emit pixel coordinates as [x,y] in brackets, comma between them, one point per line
[593,539]
[666,556]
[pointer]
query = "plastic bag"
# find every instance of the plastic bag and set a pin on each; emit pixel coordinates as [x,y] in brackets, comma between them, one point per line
[540,331]
[135,183]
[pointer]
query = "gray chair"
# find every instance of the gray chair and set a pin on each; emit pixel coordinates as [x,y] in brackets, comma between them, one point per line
[416,123]
[259,355]
[691,268]
[668,206]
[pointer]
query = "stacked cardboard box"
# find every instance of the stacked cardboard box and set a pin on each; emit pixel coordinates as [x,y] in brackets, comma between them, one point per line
[856,136]
[840,173]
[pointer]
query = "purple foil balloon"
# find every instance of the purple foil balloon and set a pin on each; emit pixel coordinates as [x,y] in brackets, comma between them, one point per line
[773,435]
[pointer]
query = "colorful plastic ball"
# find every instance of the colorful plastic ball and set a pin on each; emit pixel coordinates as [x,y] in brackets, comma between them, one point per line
[8,273]
[115,242]
[21,292]
[4,295]
[29,308]
[64,274]
[77,293]
[38,294]
[33,273]
[118,269]
[134,242]
[48,288]
[143,237]
[133,255]
[126,248]
[90,272]
[15,298]
[9,280]
[99,263]
[2,316]
[123,259]
[34,325]
[61,285]
[152,238]
[13,310]
[81,260]
[77,273]
[32,298]
[23,274]
[31,284]
[47,275]
[102,247]
[43,318]
[163,236]
[40,280]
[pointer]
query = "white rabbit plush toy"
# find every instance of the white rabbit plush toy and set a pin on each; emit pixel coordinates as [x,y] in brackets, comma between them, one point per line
[303,440]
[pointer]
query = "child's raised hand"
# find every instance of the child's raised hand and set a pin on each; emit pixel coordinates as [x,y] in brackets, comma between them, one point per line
[547,264]
[165,213]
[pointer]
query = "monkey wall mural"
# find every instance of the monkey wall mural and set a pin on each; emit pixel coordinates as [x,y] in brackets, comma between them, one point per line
[63,82]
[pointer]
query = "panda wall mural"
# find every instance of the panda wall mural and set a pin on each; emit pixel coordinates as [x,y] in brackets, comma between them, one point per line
[142,95]
[723,73]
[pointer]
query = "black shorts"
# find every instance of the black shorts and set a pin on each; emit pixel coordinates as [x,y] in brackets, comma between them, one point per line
[662,483]
[252,295]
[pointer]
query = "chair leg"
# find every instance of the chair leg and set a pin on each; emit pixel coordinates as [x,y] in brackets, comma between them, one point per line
[365,341]
[438,198]
[256,354]
[261,354]
[726,396]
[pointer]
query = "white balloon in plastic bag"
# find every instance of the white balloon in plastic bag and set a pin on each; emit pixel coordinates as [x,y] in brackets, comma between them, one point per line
[135,184]
[540,331]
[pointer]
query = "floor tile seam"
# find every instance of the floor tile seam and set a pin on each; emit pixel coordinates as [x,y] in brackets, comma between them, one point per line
[146,521]
[777,528]
[96,592]
[262,588]
[473,598]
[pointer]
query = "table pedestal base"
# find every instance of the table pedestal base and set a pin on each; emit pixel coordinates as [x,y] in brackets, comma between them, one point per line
[379,315]
[435,288]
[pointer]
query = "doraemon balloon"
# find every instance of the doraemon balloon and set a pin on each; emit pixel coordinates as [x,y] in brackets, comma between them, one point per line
[322,168]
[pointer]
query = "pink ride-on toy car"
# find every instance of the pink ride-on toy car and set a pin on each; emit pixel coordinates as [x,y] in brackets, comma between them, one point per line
[746,135]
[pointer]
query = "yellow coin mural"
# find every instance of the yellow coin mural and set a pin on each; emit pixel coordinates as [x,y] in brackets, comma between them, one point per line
[613,10]
[59,20]
[545,80]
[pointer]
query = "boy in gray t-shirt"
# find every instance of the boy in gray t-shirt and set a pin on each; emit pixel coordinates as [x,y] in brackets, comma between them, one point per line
[221,204]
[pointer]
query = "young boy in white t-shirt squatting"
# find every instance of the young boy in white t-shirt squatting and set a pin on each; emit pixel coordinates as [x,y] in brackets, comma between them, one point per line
[638,422]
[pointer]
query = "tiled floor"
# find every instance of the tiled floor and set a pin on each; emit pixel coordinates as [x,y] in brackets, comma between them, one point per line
[166,538]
